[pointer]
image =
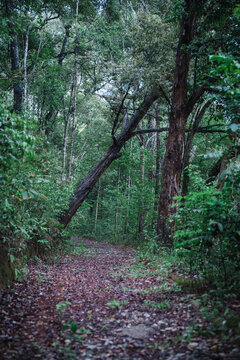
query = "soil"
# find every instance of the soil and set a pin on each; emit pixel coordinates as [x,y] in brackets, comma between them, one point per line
[102,303]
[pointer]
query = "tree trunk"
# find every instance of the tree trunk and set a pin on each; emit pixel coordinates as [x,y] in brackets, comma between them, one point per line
[158,163]
[97,206]
[65,135]
[66,116]
[87,184]
[17,89]
[141,200]
[172,164]
[117,205]
[25,68]
[74,122]
[129,180]
[61,55]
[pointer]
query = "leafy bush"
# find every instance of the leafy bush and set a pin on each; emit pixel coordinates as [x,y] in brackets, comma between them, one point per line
[30,196]
[208,231]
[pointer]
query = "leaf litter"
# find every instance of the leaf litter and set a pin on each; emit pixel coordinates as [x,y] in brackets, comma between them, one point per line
[101,303]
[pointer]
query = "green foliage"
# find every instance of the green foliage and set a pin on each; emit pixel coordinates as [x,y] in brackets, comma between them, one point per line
[208,230]
[115,304]
[224,321]
[159,306]
[61,307]
[226,69]
[28,205]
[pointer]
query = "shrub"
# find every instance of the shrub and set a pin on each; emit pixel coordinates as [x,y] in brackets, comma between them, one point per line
[208,231]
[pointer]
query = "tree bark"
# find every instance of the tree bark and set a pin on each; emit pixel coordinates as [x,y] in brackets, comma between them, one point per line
[74,120]
[141,199]
[17,89]
[172,164]
[68,114]
[65,135]
[25,67]
[158,164]
[129,180]
[117,205]
[97,206]
[87,184]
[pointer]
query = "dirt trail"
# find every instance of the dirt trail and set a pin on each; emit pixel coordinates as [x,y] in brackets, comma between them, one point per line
[119,310]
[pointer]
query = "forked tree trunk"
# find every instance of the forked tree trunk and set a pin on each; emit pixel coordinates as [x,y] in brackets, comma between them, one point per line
[113,152]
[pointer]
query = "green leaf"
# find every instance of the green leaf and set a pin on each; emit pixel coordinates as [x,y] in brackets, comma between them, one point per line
[220,227]
[73,327]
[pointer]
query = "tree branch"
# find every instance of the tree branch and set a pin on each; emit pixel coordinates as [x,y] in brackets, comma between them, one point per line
[165,95]
[118,114]
[197,95]
[200,130]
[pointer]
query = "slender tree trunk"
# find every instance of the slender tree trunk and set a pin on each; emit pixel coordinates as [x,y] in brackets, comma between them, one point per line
[141,199]
[65,139]
[64,44]
[46,124]
[117,205]
[87,184]
[65,135]
[17,89]
[25,67]
[172,164]
[74,122]
[158,163]
[129,180]
[97,206]
[68,114]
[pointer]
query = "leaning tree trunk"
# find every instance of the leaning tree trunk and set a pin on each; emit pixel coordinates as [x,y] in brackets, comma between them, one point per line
[172,164]
[113,152]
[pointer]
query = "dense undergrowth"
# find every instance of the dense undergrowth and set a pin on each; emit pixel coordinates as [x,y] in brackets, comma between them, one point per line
[31,194]
[208,236]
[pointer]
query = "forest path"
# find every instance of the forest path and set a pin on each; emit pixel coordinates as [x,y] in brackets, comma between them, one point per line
[120,309]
